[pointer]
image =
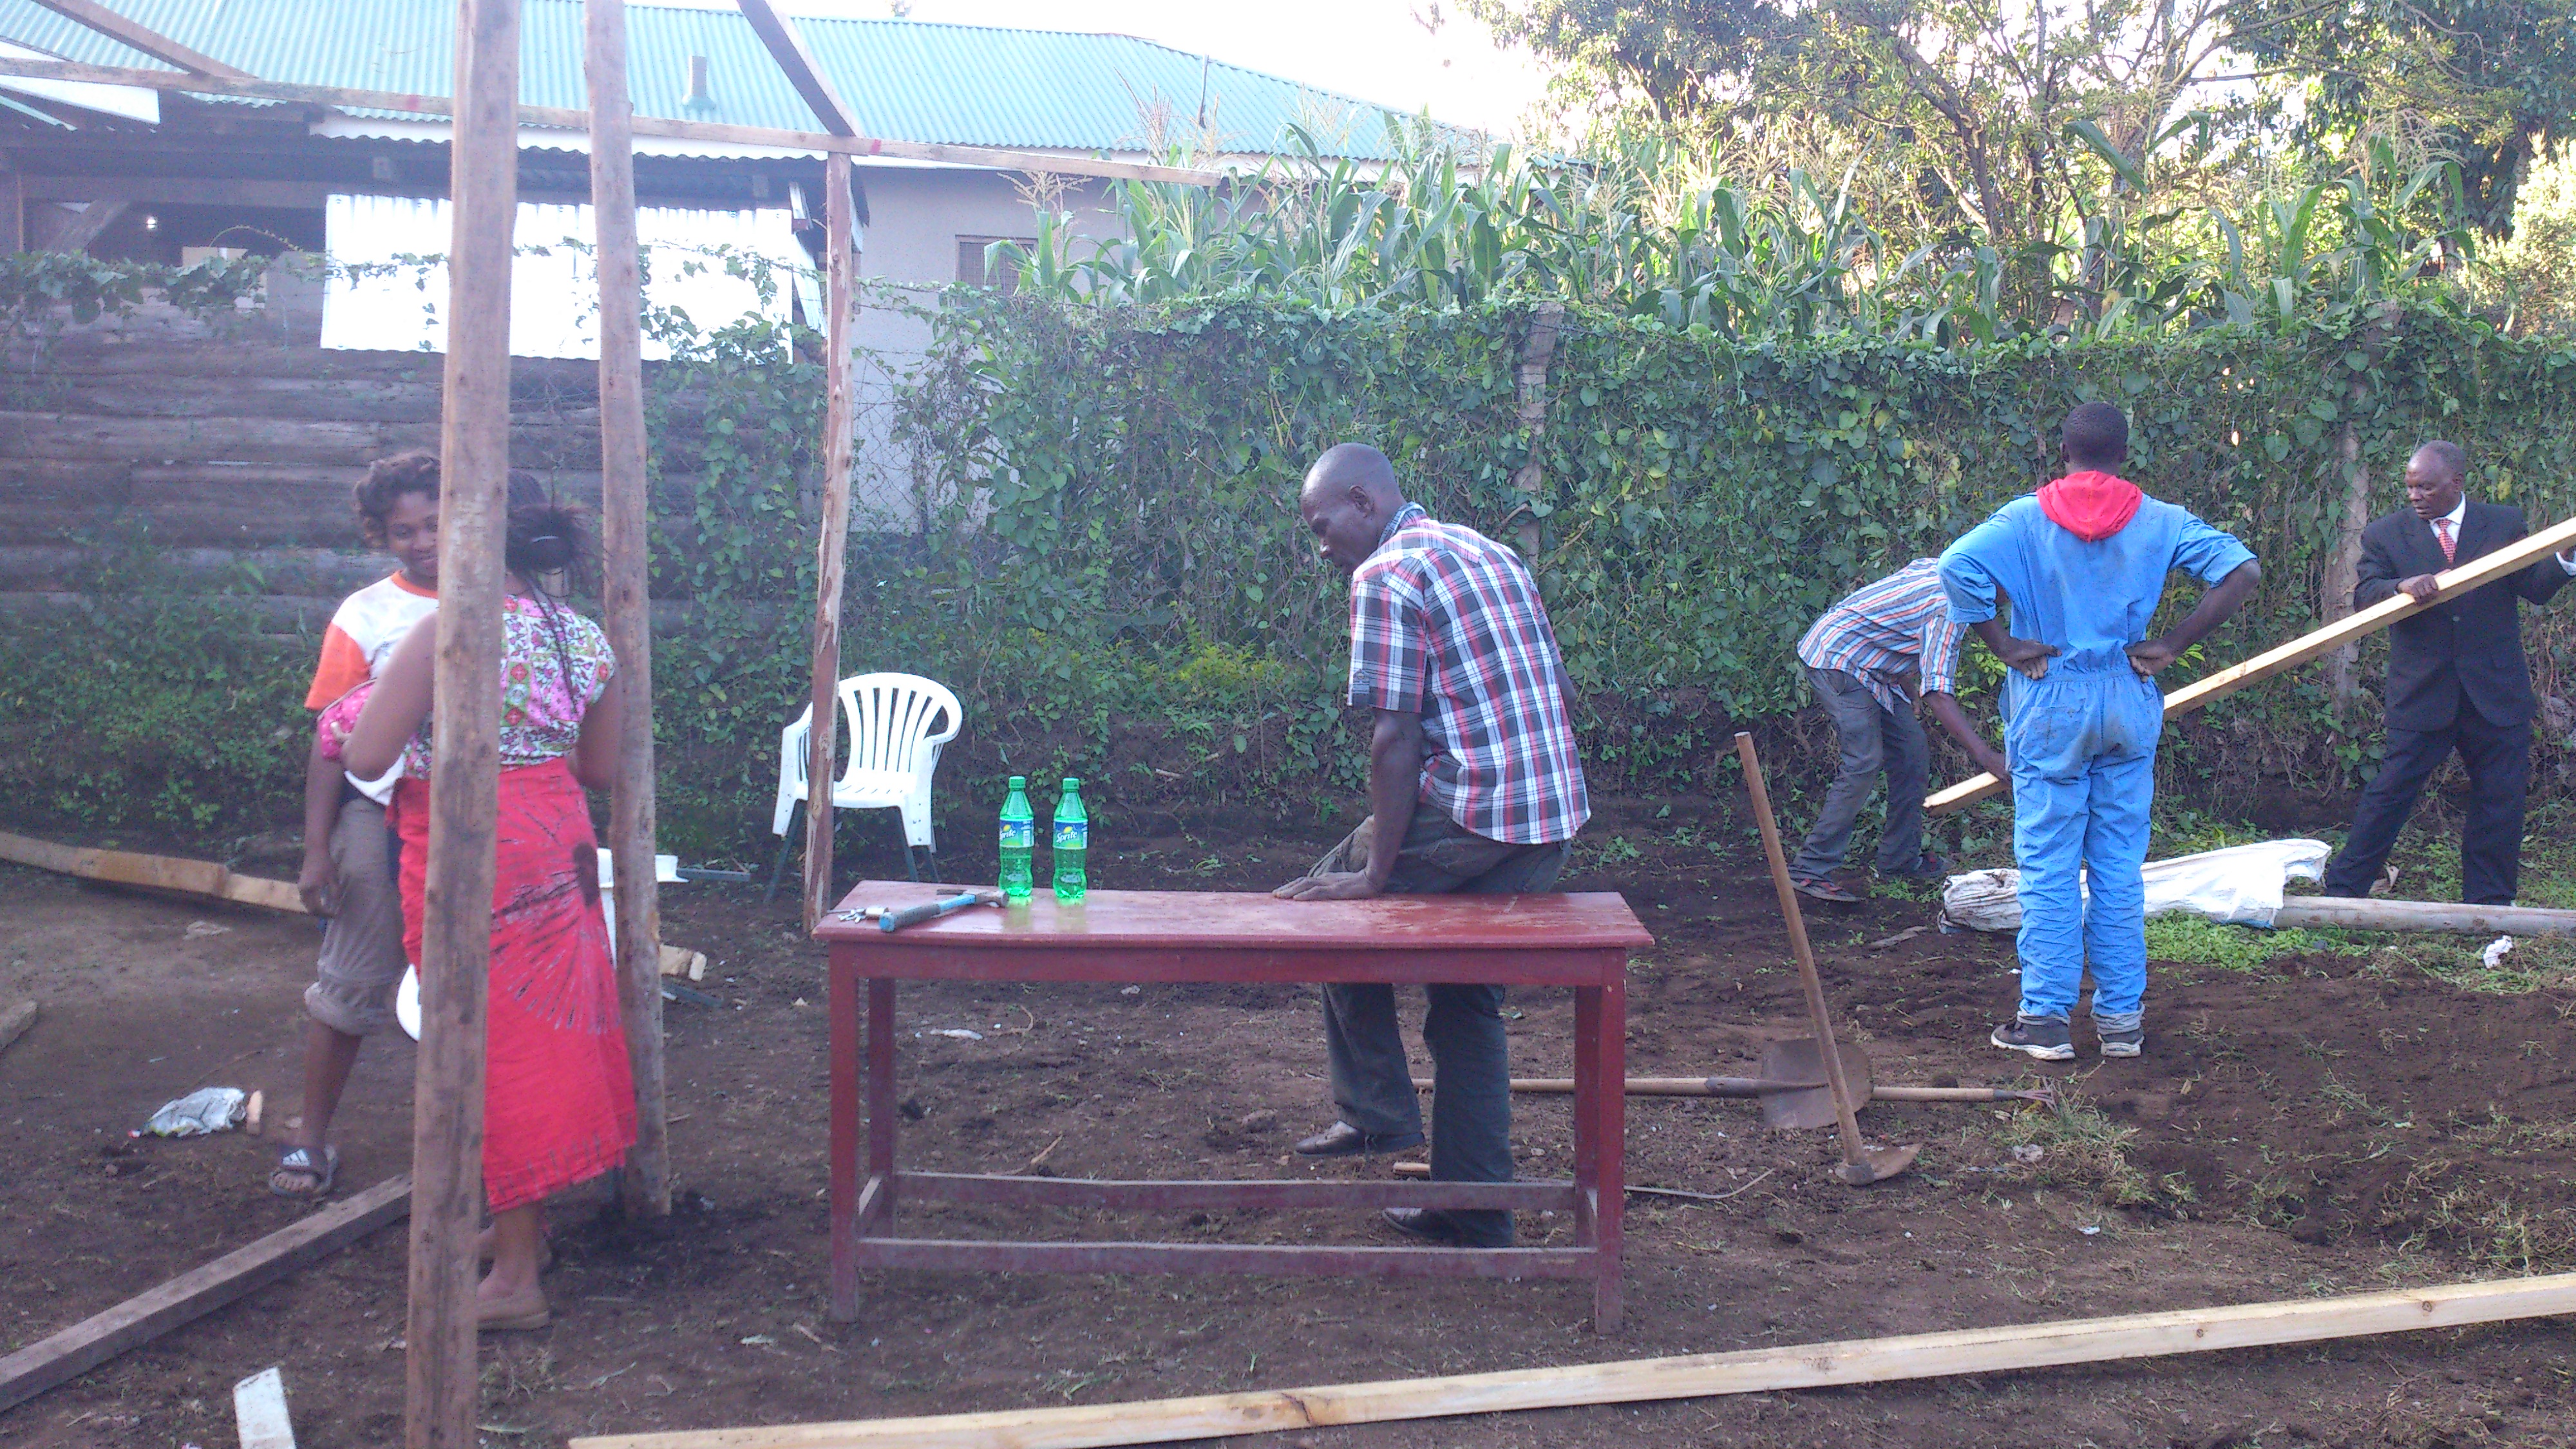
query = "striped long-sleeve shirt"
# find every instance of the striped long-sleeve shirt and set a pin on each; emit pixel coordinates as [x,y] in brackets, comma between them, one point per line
[1448,624]
[1885,631]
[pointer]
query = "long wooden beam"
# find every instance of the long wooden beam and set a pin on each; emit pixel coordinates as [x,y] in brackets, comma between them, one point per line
[564,118]
[832,536]
[152,872]
[2450,584]
[194,1294]
[788,49]
[465,735]
[2375,913]
[1760,1370]
[143,38]
[625,595]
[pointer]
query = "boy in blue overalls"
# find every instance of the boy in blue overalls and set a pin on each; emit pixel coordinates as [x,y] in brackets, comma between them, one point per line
[2084,562]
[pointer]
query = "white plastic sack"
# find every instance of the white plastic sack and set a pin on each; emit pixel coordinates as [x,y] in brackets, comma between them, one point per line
[2241,884]
[208,1109]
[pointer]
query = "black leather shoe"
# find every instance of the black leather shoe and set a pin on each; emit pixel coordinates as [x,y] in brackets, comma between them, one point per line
[1344,1140]
[1431,1225]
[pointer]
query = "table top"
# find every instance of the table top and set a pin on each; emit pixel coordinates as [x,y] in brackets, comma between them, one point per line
[1252,921]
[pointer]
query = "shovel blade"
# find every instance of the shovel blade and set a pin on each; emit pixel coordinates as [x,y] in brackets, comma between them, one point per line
[1801,1060]
[1877,1165]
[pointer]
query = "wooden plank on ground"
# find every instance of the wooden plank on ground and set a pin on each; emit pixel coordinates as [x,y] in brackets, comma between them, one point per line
[14,1023]
[1760,1370]
[2476,573]
[192,1295]
[2355,913]
[151,872]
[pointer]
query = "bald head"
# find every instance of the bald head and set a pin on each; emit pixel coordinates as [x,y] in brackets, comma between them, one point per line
[1349,496]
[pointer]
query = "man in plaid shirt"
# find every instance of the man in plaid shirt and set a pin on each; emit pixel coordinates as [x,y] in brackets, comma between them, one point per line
[1474,786]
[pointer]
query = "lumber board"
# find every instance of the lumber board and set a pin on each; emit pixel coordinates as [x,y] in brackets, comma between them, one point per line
[194,1294]
[14,1023]
[778,34]
[564,118]
[2450,584]
[152,872]
[2375,914]
[1761,1370]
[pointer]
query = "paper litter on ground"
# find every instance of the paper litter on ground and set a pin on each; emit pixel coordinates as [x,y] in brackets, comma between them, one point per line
[2241,884]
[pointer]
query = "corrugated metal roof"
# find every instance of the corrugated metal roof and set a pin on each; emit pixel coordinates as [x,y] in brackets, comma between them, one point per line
[907,80]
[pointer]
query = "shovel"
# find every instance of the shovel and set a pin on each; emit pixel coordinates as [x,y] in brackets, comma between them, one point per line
[1860,1164]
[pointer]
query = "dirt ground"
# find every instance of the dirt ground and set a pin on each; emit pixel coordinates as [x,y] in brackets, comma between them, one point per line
[2320,1124]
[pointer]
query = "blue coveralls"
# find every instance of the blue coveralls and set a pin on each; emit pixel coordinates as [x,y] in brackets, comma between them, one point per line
[2081,740]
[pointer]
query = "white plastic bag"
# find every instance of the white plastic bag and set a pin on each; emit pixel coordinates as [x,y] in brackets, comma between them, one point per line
[208,1109]
[2241,884]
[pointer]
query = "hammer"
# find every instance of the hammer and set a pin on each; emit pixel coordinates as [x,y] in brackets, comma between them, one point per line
[933,910]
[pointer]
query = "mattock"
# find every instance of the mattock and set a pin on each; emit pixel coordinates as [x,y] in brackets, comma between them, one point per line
[1860,1163]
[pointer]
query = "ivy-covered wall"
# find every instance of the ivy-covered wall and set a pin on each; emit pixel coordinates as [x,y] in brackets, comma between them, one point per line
[1116,582]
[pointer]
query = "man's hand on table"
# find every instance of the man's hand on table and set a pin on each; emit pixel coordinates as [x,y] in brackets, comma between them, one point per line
[1355,886]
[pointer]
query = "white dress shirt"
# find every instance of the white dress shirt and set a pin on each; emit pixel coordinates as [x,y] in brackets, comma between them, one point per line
[2459,514]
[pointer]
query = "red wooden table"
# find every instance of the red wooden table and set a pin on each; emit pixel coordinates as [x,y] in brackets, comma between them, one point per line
[1577,941]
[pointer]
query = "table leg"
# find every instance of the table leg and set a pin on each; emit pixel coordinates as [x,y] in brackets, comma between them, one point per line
[843,1002]
[881,1110]
[1600,1116]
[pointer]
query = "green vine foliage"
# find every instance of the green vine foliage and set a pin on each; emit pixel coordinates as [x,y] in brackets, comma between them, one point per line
[1108,566]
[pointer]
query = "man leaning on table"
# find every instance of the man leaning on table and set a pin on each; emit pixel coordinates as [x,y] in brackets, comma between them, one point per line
[1474,788]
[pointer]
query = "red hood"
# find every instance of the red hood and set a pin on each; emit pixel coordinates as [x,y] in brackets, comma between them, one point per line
[2090,505]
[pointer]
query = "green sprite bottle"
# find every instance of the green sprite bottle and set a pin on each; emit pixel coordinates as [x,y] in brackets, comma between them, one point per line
[1072,842]
[1019,841]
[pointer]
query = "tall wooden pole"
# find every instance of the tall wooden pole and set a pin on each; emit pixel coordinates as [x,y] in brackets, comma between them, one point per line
[624,508]
[833,539]
[465,738]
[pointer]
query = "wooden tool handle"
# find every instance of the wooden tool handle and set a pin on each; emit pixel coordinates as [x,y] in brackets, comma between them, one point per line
[1855,1155]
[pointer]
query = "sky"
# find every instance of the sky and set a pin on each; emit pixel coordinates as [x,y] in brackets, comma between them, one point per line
[1377,50]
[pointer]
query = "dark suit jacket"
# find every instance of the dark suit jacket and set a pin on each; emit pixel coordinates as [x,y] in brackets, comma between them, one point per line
[2471,645]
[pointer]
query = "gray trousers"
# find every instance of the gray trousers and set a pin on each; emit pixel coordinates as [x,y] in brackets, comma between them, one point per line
[1874,739]
[1471,1073]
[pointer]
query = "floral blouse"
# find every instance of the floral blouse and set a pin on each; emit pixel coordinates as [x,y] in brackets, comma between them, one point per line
[541,704]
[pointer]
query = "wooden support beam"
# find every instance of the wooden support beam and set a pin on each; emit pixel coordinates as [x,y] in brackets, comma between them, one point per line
[2354,913]
[143,38]
[788,49]
[86,225]
[1034,162]
[832,537]
[465,734]
[192,1295]
[2476,573]
[624,509]
[1760,1370]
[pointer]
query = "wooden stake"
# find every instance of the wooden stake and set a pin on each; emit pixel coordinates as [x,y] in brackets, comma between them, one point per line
[465,728]
[626,587]
[832,539]
[194,1294]
[1752,1371]
[2476,573]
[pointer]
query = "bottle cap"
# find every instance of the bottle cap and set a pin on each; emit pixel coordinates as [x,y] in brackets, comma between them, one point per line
[1071,783]
[1019,782]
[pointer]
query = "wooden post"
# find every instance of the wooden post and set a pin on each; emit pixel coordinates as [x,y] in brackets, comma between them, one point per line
[832,540]
[465,733]
[1538,351]
[626,593]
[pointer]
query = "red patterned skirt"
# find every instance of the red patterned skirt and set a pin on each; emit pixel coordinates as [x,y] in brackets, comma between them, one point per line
[558,1099]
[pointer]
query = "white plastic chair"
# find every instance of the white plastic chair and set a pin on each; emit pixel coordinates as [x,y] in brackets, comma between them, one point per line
[893,753]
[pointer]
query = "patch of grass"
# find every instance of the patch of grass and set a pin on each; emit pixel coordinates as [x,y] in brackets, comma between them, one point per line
[2082,1149]
[2191,940]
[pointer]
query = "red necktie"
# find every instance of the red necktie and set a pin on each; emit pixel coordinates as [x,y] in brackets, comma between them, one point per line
[2442,532]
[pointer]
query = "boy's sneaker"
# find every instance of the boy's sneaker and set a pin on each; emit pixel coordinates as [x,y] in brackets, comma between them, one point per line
[2047,1040]
[1823,888]
[2124,1043]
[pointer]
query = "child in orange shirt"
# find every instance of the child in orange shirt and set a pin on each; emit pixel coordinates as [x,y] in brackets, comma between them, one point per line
[349,871]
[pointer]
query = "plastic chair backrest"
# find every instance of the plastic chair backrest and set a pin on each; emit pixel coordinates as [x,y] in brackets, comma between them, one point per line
[891,718]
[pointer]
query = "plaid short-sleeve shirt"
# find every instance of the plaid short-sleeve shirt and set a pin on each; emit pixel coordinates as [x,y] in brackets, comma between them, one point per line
[1885,631]
[1448,624]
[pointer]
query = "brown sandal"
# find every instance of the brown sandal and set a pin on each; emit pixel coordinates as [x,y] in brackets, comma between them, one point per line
[512,1317]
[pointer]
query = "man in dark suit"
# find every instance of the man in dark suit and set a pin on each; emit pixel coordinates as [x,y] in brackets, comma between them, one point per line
[2456,678]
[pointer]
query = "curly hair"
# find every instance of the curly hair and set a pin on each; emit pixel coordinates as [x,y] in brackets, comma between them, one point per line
[388,479]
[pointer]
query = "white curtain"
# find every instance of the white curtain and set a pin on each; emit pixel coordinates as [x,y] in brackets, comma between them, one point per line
[399,304]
